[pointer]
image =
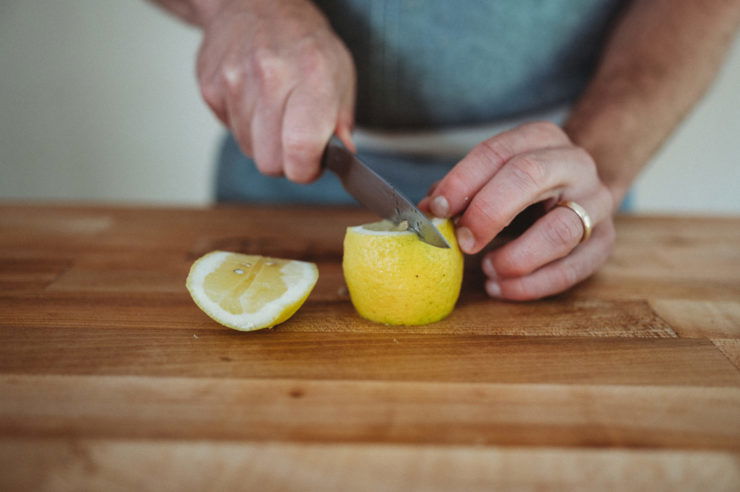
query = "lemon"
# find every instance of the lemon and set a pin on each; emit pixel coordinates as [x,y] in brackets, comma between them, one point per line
[393,277]
[250,292]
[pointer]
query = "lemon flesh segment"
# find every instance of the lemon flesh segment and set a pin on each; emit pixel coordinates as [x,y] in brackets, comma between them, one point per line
[393,277]
[250,292]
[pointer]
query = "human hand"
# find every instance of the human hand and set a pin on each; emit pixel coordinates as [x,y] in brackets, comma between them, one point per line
[503,176]
[275,74]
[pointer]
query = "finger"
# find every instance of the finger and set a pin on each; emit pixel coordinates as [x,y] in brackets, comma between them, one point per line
[266,127]
[346,117]
[524,180]
[553,236]
[469,176]
[210,83]
[213,94]
[239,110]
[424,203]
[560,274]
[310,119]
[240,98]
[344,133]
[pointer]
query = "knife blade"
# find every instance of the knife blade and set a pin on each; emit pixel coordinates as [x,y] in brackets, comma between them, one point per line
[375,193]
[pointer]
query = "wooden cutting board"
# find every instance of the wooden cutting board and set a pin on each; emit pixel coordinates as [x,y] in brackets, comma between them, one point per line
[111,378]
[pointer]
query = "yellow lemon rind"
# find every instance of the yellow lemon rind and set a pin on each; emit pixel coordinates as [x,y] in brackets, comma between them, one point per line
[392,291]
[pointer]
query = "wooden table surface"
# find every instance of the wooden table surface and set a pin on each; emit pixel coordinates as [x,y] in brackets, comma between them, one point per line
[112,379]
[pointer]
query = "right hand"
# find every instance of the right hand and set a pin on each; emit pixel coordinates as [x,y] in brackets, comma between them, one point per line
[274,72]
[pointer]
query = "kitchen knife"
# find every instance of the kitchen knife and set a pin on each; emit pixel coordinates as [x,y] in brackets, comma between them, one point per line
[375,193]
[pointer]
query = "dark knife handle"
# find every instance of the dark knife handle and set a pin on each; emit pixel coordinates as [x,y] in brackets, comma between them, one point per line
[327,162]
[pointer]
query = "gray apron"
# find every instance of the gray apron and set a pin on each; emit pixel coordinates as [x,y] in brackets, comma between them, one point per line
[435,64]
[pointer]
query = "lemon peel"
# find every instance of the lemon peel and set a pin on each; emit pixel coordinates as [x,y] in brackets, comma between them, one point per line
[250,292]
[395,278]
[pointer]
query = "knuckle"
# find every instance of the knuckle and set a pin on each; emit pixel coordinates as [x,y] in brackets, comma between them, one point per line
[452,186]
[546,130]
[299,146]
[232,73]
[528,172]
[562,231]
[494,151]
[232,76]
[480,216]
[267,68]
[312,58]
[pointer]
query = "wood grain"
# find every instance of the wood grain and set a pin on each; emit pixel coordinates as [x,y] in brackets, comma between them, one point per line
[371,411]
[31,274]
[391,357]
[700,318]
[730,347]
[328,311]
[111,378]
[120,465]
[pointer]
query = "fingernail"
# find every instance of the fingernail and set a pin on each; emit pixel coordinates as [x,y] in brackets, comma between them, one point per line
[493,289]
[465,239]
[440,207]
[488,269]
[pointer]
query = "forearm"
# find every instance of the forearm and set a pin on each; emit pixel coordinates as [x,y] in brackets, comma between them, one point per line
[658,62]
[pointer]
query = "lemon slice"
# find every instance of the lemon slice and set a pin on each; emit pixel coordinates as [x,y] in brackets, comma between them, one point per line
[250,292]
[395,278]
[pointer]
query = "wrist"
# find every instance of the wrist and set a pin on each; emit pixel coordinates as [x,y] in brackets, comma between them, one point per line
[204,10]
[617,157]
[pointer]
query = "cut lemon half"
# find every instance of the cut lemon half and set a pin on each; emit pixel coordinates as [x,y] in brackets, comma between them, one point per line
[393,277]
[250,292]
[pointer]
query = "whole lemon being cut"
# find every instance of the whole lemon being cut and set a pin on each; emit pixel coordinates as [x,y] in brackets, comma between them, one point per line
[395,278]
[250,292]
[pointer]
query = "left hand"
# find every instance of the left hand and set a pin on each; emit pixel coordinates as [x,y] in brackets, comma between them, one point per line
[504,175]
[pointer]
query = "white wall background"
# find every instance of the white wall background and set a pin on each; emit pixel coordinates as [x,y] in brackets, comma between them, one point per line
[98,101]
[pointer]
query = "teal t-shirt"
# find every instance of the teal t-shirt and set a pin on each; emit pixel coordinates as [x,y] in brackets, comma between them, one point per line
[435,63]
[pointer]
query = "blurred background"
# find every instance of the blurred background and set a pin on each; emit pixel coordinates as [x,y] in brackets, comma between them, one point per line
[98,101]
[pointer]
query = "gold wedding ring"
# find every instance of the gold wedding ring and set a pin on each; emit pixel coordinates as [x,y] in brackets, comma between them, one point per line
[582,214]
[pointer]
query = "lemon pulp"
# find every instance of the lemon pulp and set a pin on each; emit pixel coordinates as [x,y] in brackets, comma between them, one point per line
[395,278]
[250,292]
